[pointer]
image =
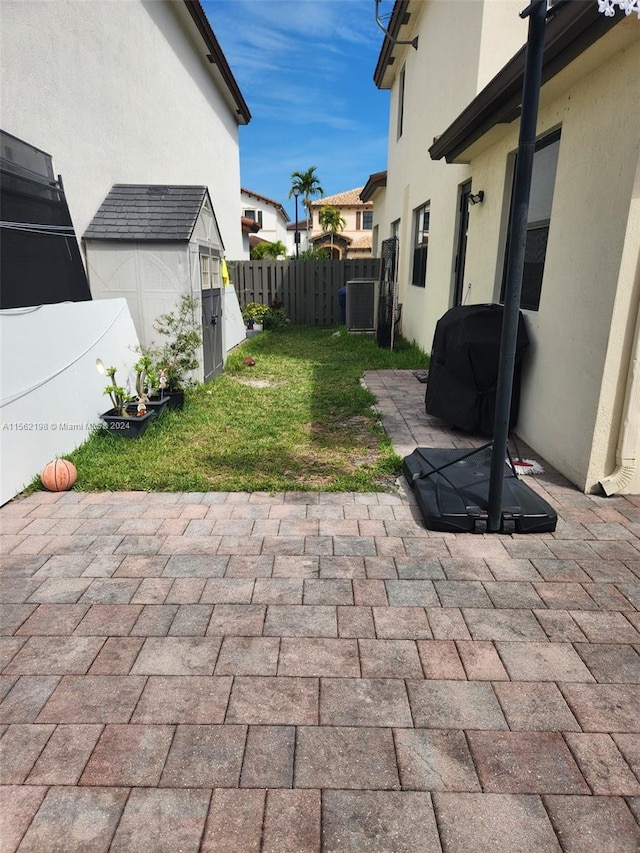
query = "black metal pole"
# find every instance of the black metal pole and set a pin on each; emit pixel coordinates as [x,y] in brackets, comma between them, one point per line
[536,12]
[296,236]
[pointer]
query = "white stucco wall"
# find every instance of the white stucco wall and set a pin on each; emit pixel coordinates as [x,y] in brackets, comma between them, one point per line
[52,394]
[116,92]
[274,227]
[576,377]
[290,242]
[461,46]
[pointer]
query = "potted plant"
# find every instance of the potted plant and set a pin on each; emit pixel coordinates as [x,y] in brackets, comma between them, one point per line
[177,355]
[118,419]
[253,312]
[147,384]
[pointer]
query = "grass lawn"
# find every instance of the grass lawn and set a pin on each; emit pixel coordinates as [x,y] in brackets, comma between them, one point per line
[297,420]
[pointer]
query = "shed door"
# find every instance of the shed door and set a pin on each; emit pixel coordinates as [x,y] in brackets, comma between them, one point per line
[213,360]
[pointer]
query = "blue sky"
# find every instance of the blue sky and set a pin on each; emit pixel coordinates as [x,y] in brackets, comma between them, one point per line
[305,68]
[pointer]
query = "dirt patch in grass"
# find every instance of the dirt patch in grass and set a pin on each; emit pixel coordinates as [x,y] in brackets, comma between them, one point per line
[298,417]
[256,383]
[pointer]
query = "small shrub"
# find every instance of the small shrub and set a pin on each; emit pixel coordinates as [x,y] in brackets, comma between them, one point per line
[254,311]
[275,316]
[269,316]
[181,337]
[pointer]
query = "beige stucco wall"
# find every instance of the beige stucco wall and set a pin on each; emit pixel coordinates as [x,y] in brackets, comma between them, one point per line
[117,93]
[461,46]
[349,215]
[575,383]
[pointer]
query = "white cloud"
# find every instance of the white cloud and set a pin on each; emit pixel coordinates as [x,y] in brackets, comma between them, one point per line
[305,68]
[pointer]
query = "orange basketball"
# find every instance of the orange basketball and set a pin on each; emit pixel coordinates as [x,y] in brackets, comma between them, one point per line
[59,475]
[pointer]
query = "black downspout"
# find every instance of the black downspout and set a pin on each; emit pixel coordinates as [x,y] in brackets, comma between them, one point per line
[537,12]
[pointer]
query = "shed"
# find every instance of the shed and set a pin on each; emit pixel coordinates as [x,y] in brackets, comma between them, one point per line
[151,245]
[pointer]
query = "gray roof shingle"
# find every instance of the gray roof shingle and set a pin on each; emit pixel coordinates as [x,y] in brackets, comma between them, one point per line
[147,212]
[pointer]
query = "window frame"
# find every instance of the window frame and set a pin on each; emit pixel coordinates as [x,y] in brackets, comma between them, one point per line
[420,244]
[532,278]
[402,82]
[254,214]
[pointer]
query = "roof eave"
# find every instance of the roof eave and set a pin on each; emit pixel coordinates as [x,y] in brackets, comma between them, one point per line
[398,19]
[377,181]
[217,58]
[574,28]
[276,204]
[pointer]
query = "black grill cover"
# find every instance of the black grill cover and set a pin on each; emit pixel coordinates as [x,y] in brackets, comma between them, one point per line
[463,371]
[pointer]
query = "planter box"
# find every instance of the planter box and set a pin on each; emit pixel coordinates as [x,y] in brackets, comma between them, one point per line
[154,404]
[126,426]
[176,399]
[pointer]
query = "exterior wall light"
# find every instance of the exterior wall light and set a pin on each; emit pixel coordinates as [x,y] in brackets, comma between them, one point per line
[478,198]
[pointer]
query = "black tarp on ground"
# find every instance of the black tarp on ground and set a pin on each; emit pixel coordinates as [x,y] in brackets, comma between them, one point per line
[463,370]
[40,260]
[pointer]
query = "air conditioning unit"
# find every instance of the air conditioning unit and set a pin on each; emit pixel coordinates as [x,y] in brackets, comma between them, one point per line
[362,298]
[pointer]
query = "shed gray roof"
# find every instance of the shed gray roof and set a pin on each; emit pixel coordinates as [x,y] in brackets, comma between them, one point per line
[143,212]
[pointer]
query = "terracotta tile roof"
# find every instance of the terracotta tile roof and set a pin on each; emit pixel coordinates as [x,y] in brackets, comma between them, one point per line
[249,225]
[349,198]
[326,235]
[362,242]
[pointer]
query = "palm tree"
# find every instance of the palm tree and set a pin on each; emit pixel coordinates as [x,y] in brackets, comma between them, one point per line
[308,185]
[275,250]
[268,250]
[330,220]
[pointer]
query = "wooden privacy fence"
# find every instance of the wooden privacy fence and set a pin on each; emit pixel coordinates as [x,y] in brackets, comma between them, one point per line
[308,290]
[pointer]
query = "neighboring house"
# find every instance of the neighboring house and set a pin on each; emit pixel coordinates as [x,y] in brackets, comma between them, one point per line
[354,240]
[125,92]
[269,215]
[580,406]
[303,244]
[250,230]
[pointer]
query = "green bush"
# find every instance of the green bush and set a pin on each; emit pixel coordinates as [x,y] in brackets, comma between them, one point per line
[254,311]
[269,316]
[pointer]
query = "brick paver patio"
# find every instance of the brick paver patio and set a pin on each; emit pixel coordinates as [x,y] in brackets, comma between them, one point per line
[306,672]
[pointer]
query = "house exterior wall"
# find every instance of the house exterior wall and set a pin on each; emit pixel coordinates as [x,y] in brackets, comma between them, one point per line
[120,92]
[576,379]
[290,241]
[348,214]
[461,46]
[352,215]
[274,225]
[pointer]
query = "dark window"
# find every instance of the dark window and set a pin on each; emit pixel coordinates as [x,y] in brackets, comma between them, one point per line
[545,162]
[401,85]
[254,215]
[421,245]
[367,220]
